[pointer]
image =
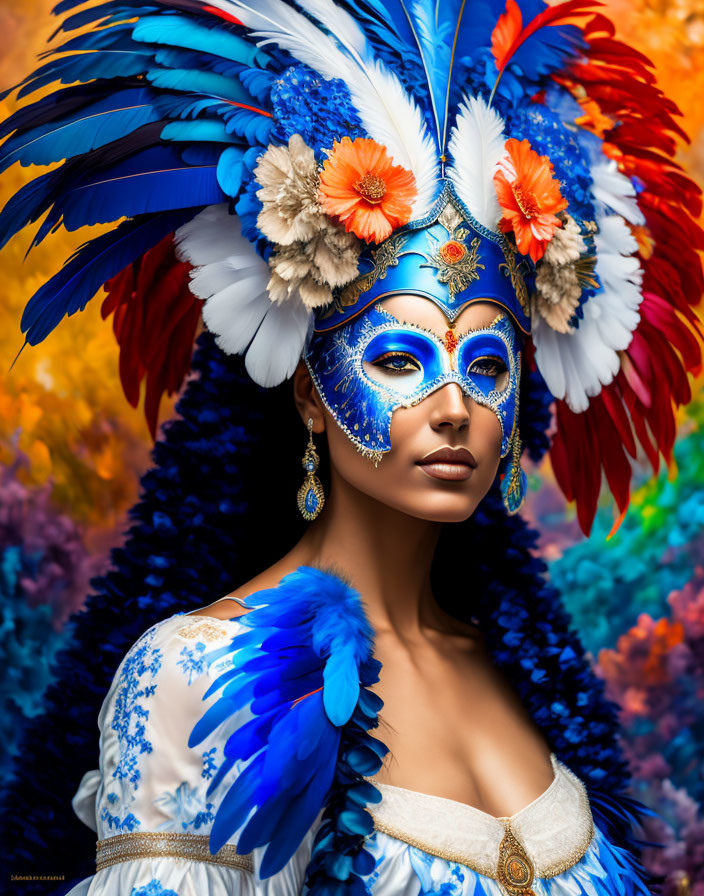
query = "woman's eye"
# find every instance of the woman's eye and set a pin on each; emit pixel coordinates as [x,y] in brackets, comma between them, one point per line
[396,362]
[488,367]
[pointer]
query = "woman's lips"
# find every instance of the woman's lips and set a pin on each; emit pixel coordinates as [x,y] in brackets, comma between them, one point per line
[453,472]
[454,464]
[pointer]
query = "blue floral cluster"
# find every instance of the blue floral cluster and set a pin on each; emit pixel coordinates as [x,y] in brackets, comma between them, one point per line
[320,111]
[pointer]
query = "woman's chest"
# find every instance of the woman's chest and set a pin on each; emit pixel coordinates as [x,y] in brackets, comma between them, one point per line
[455,728]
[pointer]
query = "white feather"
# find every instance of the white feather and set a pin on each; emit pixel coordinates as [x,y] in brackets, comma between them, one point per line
[615,192]
[575,366]
[477,145]
[207,237]
[277,346]
[233,279]
[389,115]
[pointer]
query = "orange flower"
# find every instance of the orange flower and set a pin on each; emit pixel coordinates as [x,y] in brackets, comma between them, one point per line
[530,197]
[364,190]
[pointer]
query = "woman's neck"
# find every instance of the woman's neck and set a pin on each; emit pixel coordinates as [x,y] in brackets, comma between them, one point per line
[384,553]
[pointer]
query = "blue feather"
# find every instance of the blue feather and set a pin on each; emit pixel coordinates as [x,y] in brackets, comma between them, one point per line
[180,106]
[198,132]
[175,57]
[62,102]
[116,37]
[258,82]
[312,637]
[85,67]
[389,20]
[199,82]
[229,171]
[27,205]
[90,267]
[341,677]
[434,40]
[178,31]
[154,180]
[254,127]
[201,155]
[103,12]
[98,124]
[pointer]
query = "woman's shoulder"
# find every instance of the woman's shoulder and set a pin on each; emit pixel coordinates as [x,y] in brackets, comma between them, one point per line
[231,606]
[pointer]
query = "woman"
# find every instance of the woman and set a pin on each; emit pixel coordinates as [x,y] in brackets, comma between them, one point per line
[442,232]
[445,824]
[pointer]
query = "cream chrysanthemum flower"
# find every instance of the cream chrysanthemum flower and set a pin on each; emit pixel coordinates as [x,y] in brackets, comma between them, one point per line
[561,276]
[312,253]
[289,182]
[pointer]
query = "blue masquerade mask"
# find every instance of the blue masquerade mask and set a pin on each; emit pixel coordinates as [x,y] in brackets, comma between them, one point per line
[374,364]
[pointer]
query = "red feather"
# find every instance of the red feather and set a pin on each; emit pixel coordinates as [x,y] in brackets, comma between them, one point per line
[221,14]
[509,34]
[155,319]
[638,407]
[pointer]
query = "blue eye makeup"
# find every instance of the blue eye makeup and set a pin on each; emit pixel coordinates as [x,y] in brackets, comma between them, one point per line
[375,364]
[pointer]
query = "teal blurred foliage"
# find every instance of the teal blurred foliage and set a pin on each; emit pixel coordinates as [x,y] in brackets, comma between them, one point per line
[607,584]
[638,602]
[44,574]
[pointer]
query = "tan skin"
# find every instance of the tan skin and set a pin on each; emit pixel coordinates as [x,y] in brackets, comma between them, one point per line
[454,726]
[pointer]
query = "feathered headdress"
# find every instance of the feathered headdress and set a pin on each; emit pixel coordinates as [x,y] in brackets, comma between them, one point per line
[270,150]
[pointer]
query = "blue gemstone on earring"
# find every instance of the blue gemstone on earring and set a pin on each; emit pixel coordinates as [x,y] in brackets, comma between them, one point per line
[310,466]
[311,501]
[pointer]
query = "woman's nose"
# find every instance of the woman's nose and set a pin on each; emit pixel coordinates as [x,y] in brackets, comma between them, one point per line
[449,408]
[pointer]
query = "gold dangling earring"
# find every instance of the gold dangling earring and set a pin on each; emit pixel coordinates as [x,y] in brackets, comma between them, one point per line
[514,484]
[311,496]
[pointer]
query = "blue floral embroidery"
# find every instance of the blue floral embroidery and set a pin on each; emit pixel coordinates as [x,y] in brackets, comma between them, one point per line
[209,764]
[437,876]
[153,888]
[128,823]
[128,721]
[193,662]
[186,808]
[372,846]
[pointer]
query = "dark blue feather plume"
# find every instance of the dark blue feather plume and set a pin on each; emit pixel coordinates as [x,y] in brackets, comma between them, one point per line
[85,67]
[61,103]
[96,125]
[28,204]
[116,37]
[91,266]
[154,180]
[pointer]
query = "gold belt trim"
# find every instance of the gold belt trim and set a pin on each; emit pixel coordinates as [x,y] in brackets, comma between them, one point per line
[156,844]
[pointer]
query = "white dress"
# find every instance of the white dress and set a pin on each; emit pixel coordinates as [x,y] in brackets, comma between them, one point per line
[148,804]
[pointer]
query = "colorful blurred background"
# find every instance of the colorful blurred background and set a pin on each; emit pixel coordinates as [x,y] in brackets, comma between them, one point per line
[72,451]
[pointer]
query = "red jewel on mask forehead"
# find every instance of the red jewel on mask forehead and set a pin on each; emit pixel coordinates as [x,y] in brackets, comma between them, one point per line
[451,341]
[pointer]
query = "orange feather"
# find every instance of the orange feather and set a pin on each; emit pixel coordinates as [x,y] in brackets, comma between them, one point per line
[509,34]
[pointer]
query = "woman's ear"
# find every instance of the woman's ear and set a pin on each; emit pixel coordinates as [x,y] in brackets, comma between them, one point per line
[307,399]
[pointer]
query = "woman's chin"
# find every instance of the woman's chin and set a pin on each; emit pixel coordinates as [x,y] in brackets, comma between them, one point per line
[438,508]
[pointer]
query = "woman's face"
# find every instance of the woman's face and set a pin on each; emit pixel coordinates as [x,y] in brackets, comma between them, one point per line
[446,448]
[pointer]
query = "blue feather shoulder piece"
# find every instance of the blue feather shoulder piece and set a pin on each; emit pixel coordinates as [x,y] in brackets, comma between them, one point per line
[304,669]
